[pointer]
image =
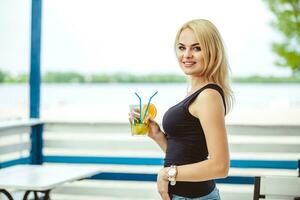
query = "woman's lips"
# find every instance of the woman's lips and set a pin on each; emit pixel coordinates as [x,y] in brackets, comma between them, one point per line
[188,63]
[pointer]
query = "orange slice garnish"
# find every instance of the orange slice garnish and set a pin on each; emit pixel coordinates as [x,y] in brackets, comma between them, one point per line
[151,111]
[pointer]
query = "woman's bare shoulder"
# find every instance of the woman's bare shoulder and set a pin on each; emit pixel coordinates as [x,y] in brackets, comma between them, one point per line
[209,100]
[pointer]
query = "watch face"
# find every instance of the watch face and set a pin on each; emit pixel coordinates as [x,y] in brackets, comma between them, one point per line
[172,172]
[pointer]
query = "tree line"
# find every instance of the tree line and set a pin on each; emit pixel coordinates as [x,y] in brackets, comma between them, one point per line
[75,77]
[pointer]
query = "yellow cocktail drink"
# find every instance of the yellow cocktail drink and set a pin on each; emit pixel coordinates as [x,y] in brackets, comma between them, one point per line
[139,129]
[142,127]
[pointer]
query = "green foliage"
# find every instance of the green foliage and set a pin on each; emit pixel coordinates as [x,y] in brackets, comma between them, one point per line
[287,21]
[264,79]
[2,76]
[73,77]
[22,78]
[129,78]
[63,77]
[8,78]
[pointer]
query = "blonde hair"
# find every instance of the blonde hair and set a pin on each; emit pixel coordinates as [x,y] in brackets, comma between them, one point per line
[216,68]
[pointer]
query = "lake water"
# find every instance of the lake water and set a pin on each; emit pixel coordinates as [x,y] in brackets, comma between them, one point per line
[255,103]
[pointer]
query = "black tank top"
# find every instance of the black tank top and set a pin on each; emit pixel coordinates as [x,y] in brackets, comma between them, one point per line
[186,144]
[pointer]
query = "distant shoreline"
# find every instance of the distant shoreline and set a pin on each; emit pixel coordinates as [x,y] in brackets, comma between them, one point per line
[74,77]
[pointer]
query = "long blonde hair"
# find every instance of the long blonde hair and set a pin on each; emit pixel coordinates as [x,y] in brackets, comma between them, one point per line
[216,68]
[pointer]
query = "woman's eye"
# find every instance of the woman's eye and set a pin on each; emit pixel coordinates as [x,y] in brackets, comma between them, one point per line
[197,48]
[181,48]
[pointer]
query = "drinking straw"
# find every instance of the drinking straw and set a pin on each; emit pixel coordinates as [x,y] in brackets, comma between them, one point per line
[145,114]
[140,120]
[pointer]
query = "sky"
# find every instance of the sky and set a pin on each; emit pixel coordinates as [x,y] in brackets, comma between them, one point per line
[133,36]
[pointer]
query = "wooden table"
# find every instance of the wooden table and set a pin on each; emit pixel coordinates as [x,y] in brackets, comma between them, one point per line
[40,178]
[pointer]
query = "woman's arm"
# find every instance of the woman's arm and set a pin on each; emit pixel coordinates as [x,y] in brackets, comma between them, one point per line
[162,142]
[154,132]
[209,109]
[157,135]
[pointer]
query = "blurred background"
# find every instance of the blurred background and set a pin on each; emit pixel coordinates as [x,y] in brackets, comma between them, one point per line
[96,54]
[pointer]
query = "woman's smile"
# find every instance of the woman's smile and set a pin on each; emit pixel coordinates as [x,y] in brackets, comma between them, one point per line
[188,63]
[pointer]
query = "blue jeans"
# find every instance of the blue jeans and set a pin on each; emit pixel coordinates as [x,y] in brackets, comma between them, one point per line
[214,195]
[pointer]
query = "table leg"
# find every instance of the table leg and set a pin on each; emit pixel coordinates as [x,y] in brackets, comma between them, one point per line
[47,195]
[7,194]
[26,195]
[36,197]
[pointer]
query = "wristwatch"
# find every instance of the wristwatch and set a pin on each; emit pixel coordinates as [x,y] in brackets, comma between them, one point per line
[172,172]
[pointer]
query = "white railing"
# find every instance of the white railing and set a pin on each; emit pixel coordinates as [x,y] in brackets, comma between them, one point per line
[15,140]
[247,142]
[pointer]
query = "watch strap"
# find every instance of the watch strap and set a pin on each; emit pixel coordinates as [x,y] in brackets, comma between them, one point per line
[172,178]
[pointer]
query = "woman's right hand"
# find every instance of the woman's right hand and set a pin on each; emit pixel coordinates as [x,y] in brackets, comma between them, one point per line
[154,130]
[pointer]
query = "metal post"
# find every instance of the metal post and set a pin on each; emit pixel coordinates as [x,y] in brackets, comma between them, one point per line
[35,76]
[36,156]
[36,153]
[299,168]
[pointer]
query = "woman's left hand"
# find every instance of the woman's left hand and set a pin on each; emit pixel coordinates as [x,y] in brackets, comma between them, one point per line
[163,184]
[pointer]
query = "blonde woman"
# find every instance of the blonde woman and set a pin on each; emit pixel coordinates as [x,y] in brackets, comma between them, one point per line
[194,138]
